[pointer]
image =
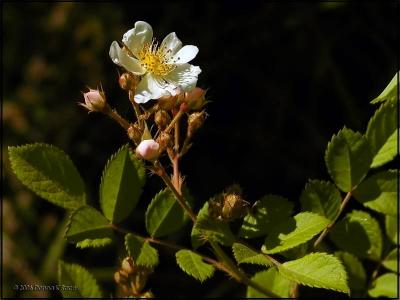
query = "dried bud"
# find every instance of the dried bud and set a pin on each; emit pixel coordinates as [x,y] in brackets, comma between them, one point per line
[128,81]
[94,100]
[164,140]
[195,98]
[195,121]
[148,149]
[162,119]
[120,278]
[141,277]
[234,207]
[134,133]
[127,265]
[168,102]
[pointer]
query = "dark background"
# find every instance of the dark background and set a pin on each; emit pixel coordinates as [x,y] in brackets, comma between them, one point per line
[283,78]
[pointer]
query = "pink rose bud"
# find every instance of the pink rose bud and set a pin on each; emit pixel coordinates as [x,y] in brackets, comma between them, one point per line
[148,149]
[94,100]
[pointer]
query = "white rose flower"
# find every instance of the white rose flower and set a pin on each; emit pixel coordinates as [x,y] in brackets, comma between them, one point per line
[163,68]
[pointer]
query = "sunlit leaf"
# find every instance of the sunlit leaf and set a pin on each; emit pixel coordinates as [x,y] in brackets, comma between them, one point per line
[50,173]
[142,253]
[193,264]
[385,286]
[348,158]
[244,255]
[271,280]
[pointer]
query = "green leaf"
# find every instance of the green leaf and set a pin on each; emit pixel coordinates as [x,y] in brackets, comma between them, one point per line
[84,284]
[164,215]
[389,93]
[355,270]
[382,133]
[385,286]
[264,215]
[193,265]
[392,229]
[379,192]
[121,185]
[317,270]
[142,253]
[321,197]
[87,227]
[359,234]
[347,159]
[50,173]
[243,255]
[391,261]
[294,231]
[298,251]
[273,281]
[207,228]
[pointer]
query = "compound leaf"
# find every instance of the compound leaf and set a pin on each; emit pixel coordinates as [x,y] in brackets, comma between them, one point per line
[50,173]
[391,261]
[121,185]
[348,159]
[355,270]
[207,228]
[321,197]
[264,215]
[385,286]
[359,234]
[142,253]
[87,227]
[244,254]
[164,215]
[389,93]
[379,192]
[82,283]
[271,279]
[382,133]
[392,229]
[193,265]
[294,231]
[317,270]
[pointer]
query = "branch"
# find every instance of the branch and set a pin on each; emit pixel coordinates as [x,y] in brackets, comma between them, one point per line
[329,227]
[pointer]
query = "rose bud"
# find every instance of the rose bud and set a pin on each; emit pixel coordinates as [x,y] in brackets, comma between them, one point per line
[148,149]
[94,100]
[195,98]
[195,121]
[134,133]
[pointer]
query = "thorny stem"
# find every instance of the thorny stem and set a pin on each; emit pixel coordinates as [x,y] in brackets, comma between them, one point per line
[174,120]
[329,227]
[178,196]
[170,245]
[114,115]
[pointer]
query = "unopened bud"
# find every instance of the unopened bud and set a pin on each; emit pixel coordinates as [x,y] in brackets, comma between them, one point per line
[195,98]
[94,100]
[195,121]
[148,149]
[134,133]
[162,119]
[127,265]
[168,102]
[164,140]
[234,207]
[128,81]
[141,277]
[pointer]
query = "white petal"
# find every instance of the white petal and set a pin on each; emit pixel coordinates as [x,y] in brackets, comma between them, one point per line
[171,43]
[149,88]
[135,38]
[184,76]
[122,59]
[184,55]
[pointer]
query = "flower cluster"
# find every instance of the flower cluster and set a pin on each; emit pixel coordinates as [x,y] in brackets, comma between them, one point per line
[161,72]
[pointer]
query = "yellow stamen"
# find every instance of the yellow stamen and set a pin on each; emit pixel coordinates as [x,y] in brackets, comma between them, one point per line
[155,59]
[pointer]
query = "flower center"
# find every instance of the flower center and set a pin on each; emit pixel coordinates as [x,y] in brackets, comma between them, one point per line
[155,59]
